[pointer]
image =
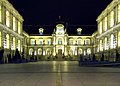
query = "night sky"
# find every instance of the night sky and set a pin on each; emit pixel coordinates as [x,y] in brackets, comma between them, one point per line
[74,14]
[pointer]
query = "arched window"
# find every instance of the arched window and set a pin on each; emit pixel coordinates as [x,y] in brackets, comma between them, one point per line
[39,51]
[48,51]
[60,41]
[7,41]
[80,51]
[71,52]
[30,51]
[88,51]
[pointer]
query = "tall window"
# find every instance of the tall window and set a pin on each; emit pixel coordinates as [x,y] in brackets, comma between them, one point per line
[100,27]
[0,13]
[105,24]
[113,41]
[14,42]
[30,51]
[119,13]
[39,51]
[105,43]
[112,19]
[7,41]
[119,39]
[88,51]
[19,45]
[80,51]
[19,28]
[0,39]
[101,45]
[14,24]
[41,41]
[60,41]
[7,18]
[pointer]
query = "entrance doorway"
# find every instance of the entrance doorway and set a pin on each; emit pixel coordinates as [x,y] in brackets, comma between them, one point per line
[59,54]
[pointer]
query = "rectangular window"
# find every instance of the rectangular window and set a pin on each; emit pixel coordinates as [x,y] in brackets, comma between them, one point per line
[87,42]
[14,42]
[119,13]
[79,41]
[14,24]
[71,42]
[7,18]
[19,28]
[112,19]
[0,13]
[32,41]
[49,42]
[105,24]
[100,27]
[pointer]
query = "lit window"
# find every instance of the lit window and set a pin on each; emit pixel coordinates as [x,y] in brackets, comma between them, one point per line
[119,13]
[0,38]
[106,45]
[112,19]
[7,18]
[49,41]
[100,27]
[113,41]
[88,51]
[19,45]
[0,13]
[80,51]
[19,28]
[32,41]
[71,41]
[30,51]
[14,24]
[87,41]
[14,42]
[7,41]
[60,41]
[105,24]
[79,41]
[101,45]
[39,51]
[119,39]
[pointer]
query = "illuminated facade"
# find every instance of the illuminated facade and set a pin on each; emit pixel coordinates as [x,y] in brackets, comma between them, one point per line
[108,38]
[104,41]
[10,29]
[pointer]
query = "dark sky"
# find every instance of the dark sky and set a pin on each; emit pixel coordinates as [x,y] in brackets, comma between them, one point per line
[45,13]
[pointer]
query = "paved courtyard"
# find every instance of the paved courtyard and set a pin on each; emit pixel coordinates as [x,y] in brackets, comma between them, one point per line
[57,73]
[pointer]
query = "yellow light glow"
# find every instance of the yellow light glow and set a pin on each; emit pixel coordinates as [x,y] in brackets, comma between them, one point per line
[101,45]
[7,18]
[14,24]
[119,13]
[30,51]
[112,19]
[19,28]
[112,41]
[105,44]
[19,45]
[8,41]
[0,13]
[105,24]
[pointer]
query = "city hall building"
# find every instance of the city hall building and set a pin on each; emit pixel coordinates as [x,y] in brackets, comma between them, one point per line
[106,40]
